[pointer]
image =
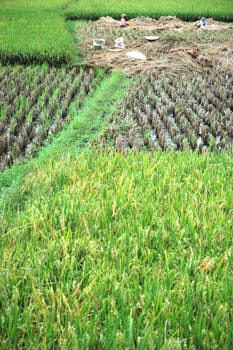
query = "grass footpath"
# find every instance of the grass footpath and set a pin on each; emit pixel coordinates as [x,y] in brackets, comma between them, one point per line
[77,135]
[123,252]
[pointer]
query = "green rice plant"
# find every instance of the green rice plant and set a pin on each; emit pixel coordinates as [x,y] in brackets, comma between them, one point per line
[35,5]
[25,38]
[181,8]
[112,251]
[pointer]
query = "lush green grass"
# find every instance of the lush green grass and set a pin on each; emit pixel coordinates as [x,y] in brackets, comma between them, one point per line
[182,8]
[35,4]
[34,32]
[109,251]
[31,36]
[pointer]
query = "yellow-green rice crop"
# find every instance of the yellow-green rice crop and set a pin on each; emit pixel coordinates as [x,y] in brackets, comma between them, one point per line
[109,251]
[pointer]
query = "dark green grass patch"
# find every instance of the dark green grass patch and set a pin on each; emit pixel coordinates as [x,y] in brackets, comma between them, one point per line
[29,36]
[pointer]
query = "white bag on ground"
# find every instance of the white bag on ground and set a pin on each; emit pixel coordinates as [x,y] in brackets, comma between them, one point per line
[136,54]
[119,42]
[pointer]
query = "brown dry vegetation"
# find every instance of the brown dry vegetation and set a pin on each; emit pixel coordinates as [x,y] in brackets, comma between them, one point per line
[182,98]
[181,48]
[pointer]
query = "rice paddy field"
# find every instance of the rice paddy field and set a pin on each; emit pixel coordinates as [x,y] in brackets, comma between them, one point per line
[188,10]
[35,103]
[175,114]
[116,177]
